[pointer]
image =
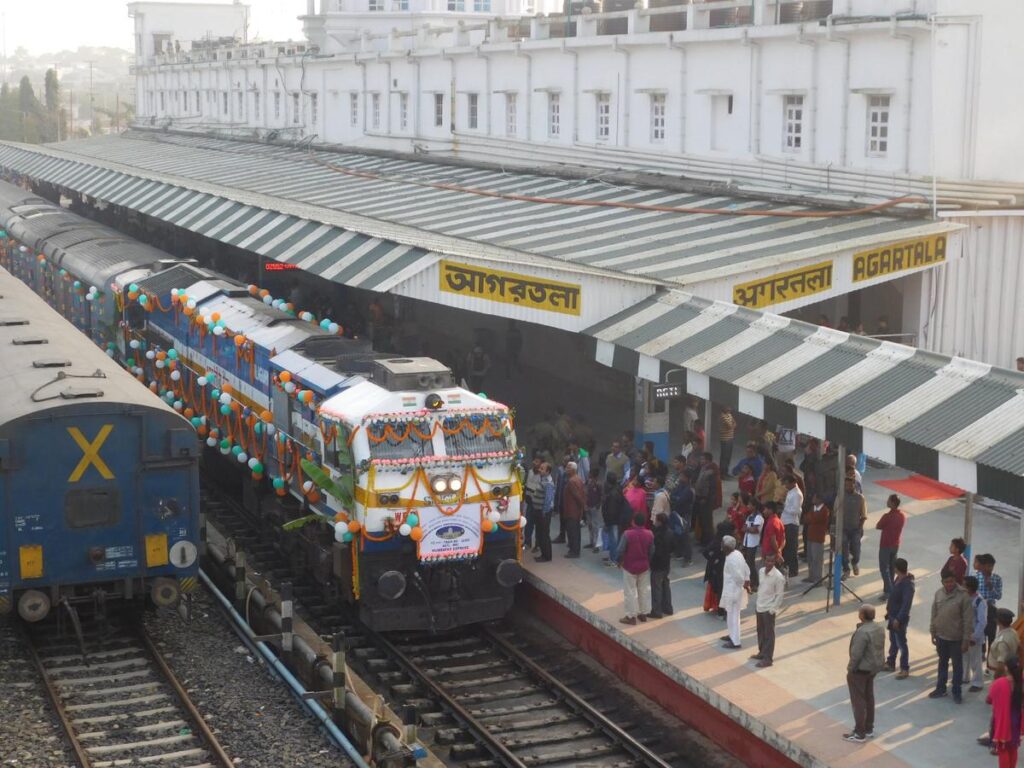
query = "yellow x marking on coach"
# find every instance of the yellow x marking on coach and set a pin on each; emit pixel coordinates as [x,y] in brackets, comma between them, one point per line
[91,453]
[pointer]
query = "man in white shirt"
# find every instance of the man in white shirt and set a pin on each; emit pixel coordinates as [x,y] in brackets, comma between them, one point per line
[769,601]
[735,587]
[791,512]
[752,543]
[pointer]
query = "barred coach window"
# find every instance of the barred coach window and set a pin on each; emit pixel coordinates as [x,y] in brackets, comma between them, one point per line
[92,507]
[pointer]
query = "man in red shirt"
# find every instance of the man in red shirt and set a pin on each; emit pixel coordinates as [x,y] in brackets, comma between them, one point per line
[891,525]
[574,503]
[957,563]
[773,533]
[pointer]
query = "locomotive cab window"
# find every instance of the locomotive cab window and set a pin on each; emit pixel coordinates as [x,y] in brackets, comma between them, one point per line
[92,507]
[474,433]
[400,441]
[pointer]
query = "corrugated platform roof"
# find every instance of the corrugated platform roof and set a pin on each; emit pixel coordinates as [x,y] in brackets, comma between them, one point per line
[370,221]
[953,419]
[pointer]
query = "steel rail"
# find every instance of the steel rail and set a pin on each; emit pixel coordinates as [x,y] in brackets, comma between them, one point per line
[51,692]
[207,735]
[574,701]
[485,737]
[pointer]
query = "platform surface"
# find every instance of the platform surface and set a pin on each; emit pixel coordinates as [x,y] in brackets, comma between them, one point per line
[803,698]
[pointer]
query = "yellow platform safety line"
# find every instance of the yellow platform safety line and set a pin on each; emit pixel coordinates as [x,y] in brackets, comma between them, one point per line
[90,453]
[156,550]
[188,584]
[31,560]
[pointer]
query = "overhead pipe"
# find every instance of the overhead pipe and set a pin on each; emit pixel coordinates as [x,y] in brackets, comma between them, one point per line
[909,86]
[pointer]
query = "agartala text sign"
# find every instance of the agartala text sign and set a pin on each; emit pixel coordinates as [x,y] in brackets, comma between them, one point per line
[510,288]
[784,286]
[899,257]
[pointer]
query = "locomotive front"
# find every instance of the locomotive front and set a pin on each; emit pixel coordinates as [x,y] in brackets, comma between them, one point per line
[432,536]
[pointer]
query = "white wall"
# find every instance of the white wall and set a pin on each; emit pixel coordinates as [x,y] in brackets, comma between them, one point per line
[185,22]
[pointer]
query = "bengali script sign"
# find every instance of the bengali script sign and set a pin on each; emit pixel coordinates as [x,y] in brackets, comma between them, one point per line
[898,257]
[510,288]
[784,286]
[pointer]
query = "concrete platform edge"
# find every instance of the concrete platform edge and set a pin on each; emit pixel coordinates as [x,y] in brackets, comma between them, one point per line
[685,697]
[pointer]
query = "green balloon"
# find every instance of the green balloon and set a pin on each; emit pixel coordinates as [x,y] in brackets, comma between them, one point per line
[257,468]
[225,444]
[279,482]
[236,449]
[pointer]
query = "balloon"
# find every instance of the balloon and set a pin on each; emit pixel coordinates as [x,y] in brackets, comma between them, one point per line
[346,537]
[177,405]
[227,388]
[143,299]
[215,316]
[257,468]
[150,354]
[253,289]
[264,292]
[494,517]
[174,292]
[271,429]
[285,376]
[133,287]
[412,520]
[267,416]
[354,526]
[172,353]
[215,394]
[307,397]
[225,399]
[218,330]
[175,375]
[202,381]
[225,410]
[325,324]
[134,344]
[289,387]
[196,421]
[239,340]
[160,363]
[416,533]
[487,526]
[405,529]
[110,353]
[340,530]
[278,482]
[252,462]
[267,300]
[191,304]
[307,486]
[333,328]
[226,444]
[211,441]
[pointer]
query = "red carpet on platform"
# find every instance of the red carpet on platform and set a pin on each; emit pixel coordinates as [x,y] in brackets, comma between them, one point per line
[922,488]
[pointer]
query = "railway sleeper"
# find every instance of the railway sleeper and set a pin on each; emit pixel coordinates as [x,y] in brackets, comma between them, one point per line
[125,663]
[508,677]
[543,738]
[502,695]
[164,757]
[76,682]
[119,703]
[134,746]
[140,715]
[504,726]
[483,714]
[165,725]
[574,756]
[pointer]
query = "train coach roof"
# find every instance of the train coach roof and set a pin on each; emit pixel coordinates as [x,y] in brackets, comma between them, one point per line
[48,363]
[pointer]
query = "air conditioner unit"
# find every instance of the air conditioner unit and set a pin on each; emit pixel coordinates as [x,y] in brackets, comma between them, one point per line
[412,373]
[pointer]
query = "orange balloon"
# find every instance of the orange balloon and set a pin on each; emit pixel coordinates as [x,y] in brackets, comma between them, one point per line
[227,388]
[188,311]
[267,416]
[417,533]
[236,406]
[201,429]
[285,376]
[487,526]
[281,491]
[133,295]
[313,496]
[354,526]
[161,355]
[189,413]
[264,292]
[239,340]
[253,289]
[307,397]
[152,385]
[215,316]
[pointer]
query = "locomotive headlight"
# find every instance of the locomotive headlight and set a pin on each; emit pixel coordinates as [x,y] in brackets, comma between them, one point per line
[440,484]
[454,484]
[382,499]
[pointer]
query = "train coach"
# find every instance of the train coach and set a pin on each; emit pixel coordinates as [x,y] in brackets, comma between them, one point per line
[99,487]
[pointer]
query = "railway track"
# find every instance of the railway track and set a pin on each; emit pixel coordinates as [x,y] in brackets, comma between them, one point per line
[484,697]
[121,705]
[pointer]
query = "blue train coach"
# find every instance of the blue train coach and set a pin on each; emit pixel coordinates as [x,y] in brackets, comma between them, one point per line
[99,484]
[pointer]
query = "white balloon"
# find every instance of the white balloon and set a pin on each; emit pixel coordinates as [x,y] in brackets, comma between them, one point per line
[271,429]
[225,399]
[218,330]
[175,375]
[191,304]
[494,516]
[289,387]
[110,353]
[177,405]
[307,486]
[252,462]
[522,521]
[134,344]
[405,529]
[201,381]
[243,457]
[150,354]
[160,363]
[268,299]
[211,441]
[340,529]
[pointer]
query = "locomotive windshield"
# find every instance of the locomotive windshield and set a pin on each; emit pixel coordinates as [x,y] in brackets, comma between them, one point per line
[475,433]
[410,440]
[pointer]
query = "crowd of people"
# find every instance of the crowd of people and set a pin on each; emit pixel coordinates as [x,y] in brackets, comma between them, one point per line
[645,516]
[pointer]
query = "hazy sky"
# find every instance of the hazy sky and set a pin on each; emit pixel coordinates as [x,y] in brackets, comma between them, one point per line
[47,26]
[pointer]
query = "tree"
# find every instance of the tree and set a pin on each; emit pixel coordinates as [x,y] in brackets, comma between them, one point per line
[55,126]
[27,96]
[52,91]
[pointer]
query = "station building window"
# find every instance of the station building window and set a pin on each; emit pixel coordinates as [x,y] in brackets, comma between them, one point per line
[296,113]
[657,117]
[511,115]
[604,116]
[878,125]
[554,115]
[793,123]
[353,109]
[438,110]
[375,109]
[473,110]
[403,110]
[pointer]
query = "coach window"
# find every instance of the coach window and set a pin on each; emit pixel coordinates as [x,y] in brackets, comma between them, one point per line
[92,507]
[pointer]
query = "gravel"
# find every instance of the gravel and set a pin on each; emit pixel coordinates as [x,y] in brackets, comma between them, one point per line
[255,717]
[30,733]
